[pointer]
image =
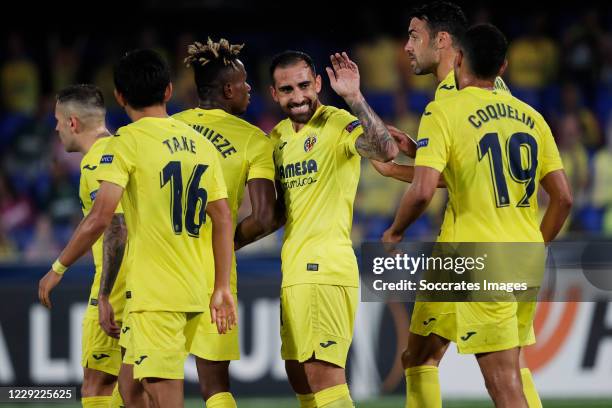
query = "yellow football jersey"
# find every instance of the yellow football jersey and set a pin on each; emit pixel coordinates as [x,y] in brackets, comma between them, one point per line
[493,150]
[88,187]
[169,173]
[318,171]
[448,86]
[245,153]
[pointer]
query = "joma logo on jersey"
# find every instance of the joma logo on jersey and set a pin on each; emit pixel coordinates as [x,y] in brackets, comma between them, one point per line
[309,143]
[106,159]
[297,169]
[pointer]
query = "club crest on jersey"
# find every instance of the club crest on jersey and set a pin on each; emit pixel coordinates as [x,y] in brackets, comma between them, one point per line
[310,142]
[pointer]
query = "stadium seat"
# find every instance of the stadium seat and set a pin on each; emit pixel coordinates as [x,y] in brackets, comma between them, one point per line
[418,100]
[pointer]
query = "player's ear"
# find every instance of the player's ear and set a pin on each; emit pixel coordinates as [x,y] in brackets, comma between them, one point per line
[459,60]
[503,68]
[318,83]
[74,124]
[168,92]
[273,93]
[119,98]
[228,91]
[443,40]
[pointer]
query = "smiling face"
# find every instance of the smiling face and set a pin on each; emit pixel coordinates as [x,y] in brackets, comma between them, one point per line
[420,48]
[296,90]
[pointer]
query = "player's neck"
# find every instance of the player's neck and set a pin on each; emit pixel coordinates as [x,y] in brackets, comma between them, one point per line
[471,80]
[154,111]
[213,104]
[89,138]
[446,65]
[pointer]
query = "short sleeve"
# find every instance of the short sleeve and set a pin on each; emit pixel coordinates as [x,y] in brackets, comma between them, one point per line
[93,191]
[551,160]
[260,152]
[212,179]
[117,161]
[350,129]
[433,141]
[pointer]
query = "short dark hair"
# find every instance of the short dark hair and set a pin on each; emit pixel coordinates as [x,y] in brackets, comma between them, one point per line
[288,58]
[209,61]
[442,16]
[485,47]
[86,95]
[142,77]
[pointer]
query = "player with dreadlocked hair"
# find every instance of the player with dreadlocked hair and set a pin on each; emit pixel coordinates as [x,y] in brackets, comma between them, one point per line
[245,153]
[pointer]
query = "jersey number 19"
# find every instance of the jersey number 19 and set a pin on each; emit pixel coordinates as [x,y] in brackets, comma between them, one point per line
[489,146]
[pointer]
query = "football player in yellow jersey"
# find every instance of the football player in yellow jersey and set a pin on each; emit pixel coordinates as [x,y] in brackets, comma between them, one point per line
[432,46]
[167,178]
[491,192]
[245,153]
[317,159]
[80,114]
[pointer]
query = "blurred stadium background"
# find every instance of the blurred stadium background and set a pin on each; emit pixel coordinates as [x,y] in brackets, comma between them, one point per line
[560,62]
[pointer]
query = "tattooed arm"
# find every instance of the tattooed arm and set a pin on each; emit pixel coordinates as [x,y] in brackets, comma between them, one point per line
[114,241]
[375,142]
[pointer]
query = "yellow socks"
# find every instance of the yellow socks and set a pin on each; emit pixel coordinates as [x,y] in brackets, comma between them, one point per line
[423,387]
[96,402]
[529,389]
[221,400]
[337,396]
[306,400]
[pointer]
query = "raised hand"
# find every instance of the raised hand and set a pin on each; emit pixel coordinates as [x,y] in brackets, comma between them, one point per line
[343,76]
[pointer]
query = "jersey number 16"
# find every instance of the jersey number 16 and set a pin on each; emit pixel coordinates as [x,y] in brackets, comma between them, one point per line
[195,195]
[489,147]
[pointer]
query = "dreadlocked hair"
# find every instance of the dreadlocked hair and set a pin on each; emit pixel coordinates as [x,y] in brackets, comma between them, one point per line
[222,51]
[209,61]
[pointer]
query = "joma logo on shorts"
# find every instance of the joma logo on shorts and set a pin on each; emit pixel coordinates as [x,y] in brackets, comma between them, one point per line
[329,343]
[139,361]
[426,322]
[467,336]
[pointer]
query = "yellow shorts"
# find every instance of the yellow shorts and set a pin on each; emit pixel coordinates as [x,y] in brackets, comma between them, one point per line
[477,327]
[210,345]
[317,320]
[160,342]
[124,340]
[99,351]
